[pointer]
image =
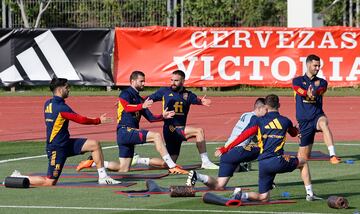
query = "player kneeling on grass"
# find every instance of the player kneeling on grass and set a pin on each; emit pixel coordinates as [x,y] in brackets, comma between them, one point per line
[271,129]
[131,107]
[246,151]
[59,145]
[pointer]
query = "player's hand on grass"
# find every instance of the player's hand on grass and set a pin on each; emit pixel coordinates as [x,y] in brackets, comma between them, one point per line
[168,114]
[147,103]
[205,101]
[105,119]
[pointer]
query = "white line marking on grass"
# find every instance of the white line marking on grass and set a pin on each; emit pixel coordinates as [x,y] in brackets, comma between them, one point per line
[23,158]
[184,144]
[145,209]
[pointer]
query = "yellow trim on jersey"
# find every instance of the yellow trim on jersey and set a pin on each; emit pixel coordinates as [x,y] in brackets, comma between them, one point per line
[59,122]
[163,103]
[260,142]
[281,144]
[120,109]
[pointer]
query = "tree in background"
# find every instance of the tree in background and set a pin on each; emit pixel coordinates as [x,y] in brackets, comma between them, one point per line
[30,9]
[138,13]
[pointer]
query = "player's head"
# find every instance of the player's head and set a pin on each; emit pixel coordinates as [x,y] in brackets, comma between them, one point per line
[60,87]
[260,107]
[272,102]
[177,80]
[312,65]
[137,80]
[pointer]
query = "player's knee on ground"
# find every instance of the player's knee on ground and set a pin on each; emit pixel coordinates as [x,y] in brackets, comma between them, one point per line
[49,182]
[264,197]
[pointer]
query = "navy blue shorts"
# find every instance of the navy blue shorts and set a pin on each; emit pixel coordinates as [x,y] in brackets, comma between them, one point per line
[231,160]
[308,130]
[127,138]
[58,156]
[268,168]
[174,136]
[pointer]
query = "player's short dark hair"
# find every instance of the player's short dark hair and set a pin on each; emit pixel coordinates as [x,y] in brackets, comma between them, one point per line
[135,74]
[259,102]
[180,73]
[312,57]
[272,100]
[57,82]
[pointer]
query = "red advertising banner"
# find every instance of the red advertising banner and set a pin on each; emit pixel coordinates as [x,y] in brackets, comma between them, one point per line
[266,56]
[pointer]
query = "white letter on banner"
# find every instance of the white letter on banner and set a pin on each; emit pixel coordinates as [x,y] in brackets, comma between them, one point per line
[198,35]
[307,37]
[263,41]
[283,39]
[328,38]
[237,39]
[275,68]
[354,70]
[256,65]
[349,40]
[207,67]
[179,60]
[219,38]
[222,65]
[304,68]
[336,68]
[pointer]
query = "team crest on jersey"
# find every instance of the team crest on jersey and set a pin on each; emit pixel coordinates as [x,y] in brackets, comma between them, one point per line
[317,83]
[185,96]
[171,95]
[304,83]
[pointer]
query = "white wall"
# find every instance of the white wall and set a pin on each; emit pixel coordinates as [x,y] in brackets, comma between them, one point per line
[300,13]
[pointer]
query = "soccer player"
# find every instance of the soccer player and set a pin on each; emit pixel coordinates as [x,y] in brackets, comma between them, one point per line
[59,145]
[271,130]
[131,107]
[243,152]
[309,90]
[177,98]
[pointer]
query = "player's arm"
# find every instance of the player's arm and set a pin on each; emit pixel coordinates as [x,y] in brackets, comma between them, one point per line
[158,95]
[321,89]
[151,117]
[129,107]
[292,130]
[199,101]
[298,87]
[248,132]
[77,118]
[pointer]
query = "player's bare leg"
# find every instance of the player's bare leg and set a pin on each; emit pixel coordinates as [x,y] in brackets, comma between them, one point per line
[35,180]
[199,134]
[323,125]
[94,147]
[156,138]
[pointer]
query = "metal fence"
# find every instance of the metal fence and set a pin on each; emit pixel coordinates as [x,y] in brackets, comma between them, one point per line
[133,13]
[95,13]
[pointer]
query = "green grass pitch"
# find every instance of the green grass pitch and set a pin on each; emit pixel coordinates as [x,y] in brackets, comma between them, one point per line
[342,179]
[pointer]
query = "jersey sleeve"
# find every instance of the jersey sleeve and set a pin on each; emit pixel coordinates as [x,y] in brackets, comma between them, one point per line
[125,100]
[321,89]
[293,131]
[151,117]
[158,95]
[67,113]
[77,118]
[298,87]
[193,99]
[250,130]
